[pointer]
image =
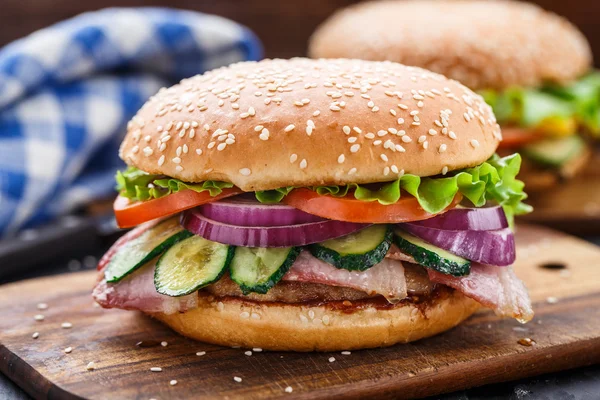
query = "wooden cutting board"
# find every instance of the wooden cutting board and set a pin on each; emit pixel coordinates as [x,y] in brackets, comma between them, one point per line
[573,206]
[483,350]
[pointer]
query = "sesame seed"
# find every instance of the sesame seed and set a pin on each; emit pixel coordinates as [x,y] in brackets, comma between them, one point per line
[164,344]
[382,133]
[179,168]
[200,353]
[68,350]
[148,151]
[445,170]
[245,171]
[394,169]
[452,135]
[393,112]
[66,325]
[173,382]
[293,158]
[354,148]
[331,359]
[432,132]
[199,152]
[357,130]
[316,113]
[474,143]
[309,130]
[393,131]
[467,117]
[422,138]
[376,142]
[91,366]
[352,171]
[35,335]
[237,379]
[135,149]
[425,145]
[341,158]
[400,121]
[38,317]
[442,148]
[258,128]
[346,129]
[303,164]
[288,389]
[264,135]
[386,171]
[248,353]
[400,148]
[346,353]
[289,128]
[420,104]
[384,157]
[406,139]
[552,300]
[352,139]
[42,306]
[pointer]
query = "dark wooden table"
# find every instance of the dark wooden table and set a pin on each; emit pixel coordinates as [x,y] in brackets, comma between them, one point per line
[581,383]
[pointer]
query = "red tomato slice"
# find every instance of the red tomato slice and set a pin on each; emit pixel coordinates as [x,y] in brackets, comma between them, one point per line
[349,209]
[129,214]
[516,137]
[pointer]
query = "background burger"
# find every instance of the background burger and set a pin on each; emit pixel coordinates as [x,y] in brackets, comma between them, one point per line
[315,205]
[533,67]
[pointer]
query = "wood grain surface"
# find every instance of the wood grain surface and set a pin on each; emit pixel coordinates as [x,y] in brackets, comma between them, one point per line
[483,350]
[572,206]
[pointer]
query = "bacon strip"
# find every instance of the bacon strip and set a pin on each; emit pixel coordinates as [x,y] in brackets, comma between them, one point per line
[137,292]
[386,278]
[497,288]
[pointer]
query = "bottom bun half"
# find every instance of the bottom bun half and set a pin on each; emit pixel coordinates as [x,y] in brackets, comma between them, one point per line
[332,326]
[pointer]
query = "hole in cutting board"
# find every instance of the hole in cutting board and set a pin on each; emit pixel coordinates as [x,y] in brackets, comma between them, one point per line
[553,265]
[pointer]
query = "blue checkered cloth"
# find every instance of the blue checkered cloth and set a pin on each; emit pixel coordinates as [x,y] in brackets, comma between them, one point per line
[67,92]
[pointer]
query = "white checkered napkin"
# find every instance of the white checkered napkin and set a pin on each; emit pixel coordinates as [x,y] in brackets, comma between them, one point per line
[67,92]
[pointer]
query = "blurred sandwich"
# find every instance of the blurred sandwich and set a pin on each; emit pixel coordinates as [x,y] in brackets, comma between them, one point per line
[532,66]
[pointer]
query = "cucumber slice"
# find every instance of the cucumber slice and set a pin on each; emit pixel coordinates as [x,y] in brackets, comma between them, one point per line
[554,152]
[190,265]
[257,269]
[355,252]
[431,256]
[144,248]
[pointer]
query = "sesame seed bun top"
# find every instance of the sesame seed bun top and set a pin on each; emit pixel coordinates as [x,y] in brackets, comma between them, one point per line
[301,122]
[483,44]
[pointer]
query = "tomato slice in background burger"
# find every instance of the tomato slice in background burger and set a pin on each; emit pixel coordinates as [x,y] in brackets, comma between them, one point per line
[129,214]
[517,137]
[350,209]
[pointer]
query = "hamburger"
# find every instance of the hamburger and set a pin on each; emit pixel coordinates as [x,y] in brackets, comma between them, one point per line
[314,205]
[532,66]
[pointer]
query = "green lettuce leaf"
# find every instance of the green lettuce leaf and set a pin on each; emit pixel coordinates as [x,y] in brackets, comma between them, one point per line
[530,107]
[493,181]
[139,185]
